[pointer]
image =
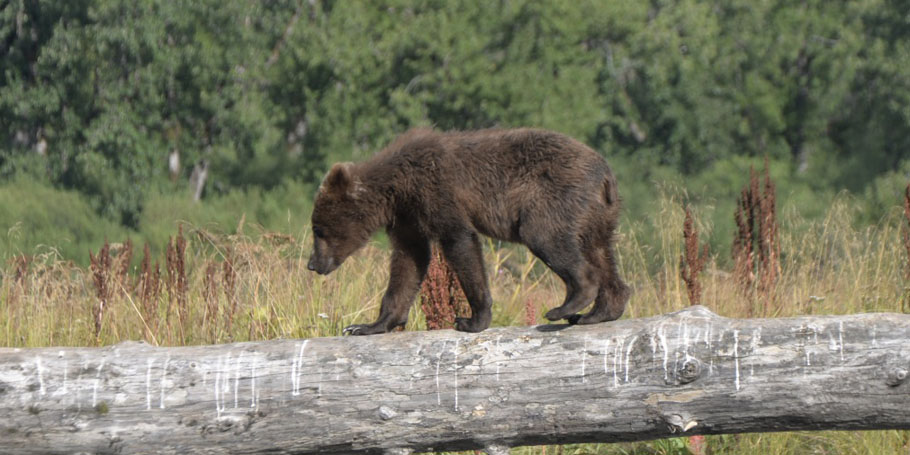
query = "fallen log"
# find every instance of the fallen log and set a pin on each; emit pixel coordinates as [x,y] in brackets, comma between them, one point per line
[685,373]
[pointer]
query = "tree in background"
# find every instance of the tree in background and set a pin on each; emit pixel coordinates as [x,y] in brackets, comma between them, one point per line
[95,95]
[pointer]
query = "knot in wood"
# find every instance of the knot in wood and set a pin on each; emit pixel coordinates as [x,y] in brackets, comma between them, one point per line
[679,423]
[896,376]
[688,371]
[386,413]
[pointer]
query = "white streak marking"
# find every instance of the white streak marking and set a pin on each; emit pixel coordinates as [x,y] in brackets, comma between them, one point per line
[584,355]
[874,341]
[628,352]
[455,361]
[80,387]
[438,358]
[217,380]
[237,378]
[756,337]
[163,374]
[97,383]
[40,375]
[840,337]
[297,369]
[498,353]
[663,345]
[253,403]
[225,380]
[606,350]
[736,355]
[148,384]
[653,340]
[617,362]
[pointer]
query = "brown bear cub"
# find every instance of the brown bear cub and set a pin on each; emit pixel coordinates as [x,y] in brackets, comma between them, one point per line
[538,188]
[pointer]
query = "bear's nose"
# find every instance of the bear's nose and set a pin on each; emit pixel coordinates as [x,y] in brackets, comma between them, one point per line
[310,265]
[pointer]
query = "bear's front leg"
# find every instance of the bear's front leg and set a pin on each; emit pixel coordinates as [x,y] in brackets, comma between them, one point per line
[410,258]
[465,255]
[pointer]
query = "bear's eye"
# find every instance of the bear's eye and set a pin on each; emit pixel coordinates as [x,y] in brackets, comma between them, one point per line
[318,232]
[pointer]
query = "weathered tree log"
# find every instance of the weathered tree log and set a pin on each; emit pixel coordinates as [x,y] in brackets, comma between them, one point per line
[685,373]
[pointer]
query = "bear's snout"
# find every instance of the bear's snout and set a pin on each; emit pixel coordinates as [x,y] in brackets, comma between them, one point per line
[321,265]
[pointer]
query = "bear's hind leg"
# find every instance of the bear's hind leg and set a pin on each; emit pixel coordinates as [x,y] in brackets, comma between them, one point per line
[612,295]
[464,253]
[563,256]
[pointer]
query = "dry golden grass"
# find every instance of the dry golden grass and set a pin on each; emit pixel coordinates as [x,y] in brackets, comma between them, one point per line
[827,267]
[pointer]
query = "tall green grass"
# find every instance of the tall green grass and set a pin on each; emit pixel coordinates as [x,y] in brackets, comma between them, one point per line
[828,267]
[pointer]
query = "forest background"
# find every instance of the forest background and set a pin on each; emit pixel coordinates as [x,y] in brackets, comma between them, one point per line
[258,98]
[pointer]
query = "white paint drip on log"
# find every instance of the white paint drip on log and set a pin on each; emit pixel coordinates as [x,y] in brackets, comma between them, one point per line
[163,374]
[81,386]
[97,383]
[607,350]
[498,355]
[438,359]
[840,338]
[455,362]
[628,353]
[617,359]
[756,337]
[225,379]
[874,341]
[237,379]
[736,355]
[584,355]
[653,340]
[663,345]
[148,384]
[296,369]
[253,403]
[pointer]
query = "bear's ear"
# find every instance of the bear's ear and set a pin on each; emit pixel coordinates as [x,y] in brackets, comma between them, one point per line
[339,179]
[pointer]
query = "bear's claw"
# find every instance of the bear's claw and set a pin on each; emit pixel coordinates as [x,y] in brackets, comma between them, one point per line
[356,329]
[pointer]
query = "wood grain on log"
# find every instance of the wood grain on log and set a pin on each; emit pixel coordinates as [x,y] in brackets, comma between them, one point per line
[690,372]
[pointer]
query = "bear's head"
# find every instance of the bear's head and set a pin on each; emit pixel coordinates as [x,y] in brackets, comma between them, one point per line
[339,215]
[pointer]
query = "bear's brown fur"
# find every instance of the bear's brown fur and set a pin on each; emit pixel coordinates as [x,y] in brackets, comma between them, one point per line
[539,188]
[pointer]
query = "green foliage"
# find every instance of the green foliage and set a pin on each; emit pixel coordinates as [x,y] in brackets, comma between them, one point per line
[285,208]
[35,219]
[95,94]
